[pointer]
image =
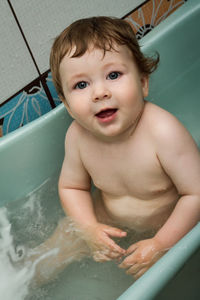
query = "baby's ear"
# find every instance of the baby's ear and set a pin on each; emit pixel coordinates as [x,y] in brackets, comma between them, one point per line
[145,85]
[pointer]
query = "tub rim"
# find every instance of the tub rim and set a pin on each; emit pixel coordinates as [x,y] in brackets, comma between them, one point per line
[171,263]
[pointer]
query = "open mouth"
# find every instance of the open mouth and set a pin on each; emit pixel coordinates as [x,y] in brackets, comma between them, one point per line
[106,113]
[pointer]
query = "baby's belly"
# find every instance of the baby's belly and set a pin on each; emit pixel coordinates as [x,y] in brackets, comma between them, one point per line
[140,215]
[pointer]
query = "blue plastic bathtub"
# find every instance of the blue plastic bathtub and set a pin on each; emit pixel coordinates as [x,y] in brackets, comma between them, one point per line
[34,153]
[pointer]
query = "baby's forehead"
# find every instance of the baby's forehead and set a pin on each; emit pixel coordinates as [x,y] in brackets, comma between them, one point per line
[75,50]
[101,53]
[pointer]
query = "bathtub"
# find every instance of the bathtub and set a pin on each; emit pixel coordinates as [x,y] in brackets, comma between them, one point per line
[34,153]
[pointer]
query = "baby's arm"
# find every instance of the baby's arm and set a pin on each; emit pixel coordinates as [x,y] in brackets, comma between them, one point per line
[179,157]
[74,191]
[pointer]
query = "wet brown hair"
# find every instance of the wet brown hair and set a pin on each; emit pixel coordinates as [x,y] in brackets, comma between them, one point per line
[102,33]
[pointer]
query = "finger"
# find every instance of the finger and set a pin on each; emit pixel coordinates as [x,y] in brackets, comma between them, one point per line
[115,232]
[100,257]
[128,261]
[115,255]
[119,259]
[132,248]
[134,269]
[140,273]
[113,246]
[105,254]
[126,264]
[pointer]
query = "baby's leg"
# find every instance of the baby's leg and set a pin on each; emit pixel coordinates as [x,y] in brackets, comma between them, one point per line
[62,248]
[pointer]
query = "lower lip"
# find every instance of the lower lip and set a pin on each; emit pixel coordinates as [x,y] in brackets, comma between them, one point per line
[107,119]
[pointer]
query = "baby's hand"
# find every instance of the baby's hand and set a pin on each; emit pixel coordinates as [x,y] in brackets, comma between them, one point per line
[102,246]
[141,256]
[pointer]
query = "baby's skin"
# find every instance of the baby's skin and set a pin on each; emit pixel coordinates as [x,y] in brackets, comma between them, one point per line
[143,162]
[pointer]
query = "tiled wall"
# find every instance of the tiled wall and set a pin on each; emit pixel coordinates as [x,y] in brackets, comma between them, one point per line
[27,31]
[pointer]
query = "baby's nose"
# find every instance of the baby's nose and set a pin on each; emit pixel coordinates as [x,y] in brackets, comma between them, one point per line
[101,93]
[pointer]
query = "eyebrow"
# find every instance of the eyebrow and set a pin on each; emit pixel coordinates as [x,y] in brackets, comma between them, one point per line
[114,64]
[78,75]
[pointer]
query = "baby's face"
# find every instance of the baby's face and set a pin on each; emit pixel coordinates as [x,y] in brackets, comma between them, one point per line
[104,93]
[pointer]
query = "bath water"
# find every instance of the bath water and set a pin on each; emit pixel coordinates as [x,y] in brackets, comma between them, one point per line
[26,223]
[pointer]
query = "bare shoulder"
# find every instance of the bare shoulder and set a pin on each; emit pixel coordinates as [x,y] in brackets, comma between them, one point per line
[157,116]
[163,125]
[171,139]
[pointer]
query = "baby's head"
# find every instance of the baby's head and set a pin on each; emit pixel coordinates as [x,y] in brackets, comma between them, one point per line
[99,32]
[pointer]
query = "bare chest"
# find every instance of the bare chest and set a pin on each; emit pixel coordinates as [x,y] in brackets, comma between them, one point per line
[133,170]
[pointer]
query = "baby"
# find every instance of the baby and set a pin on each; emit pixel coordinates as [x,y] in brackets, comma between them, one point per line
[143,162]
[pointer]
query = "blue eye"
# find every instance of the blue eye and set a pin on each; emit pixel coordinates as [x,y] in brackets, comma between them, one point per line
[114,75]
[81,85]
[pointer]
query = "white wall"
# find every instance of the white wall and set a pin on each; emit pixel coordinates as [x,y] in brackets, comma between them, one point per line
[41,22]
[16,66]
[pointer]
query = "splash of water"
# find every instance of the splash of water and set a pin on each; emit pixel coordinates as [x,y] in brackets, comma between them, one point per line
[16,270]
[14,280]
